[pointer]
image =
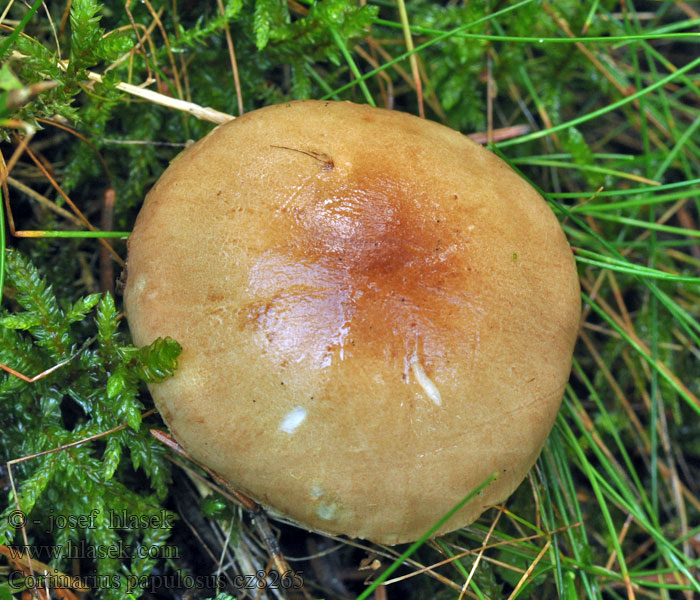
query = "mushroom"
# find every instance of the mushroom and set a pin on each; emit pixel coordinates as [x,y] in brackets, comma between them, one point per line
[375,314]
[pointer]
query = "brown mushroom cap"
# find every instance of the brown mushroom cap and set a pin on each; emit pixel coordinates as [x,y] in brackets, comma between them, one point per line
[375,313]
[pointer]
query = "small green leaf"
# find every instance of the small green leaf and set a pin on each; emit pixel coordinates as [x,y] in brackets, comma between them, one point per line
[8,81]
[106,319]
[82,307]
[31,490]
[579,148]
[21,321]
[114,45]
[158,360]
[116,382]
[111,457]
[214,507]
[6,591]
[133,416]
[301,83]
[268,15]
[85,33]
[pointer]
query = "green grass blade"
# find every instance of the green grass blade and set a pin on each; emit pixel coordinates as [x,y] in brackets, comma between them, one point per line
[428,534]
[5,45]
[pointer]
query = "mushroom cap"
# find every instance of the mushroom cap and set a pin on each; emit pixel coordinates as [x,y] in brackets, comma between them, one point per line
[375,312]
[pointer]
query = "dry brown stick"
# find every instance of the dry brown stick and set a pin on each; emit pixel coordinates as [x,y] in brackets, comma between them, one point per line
[412,58]
[176,74]
[481,548]
[371,58]
[35,195]
[668,472]
[581,47]
[43,200]
[138,46]
[127,9]
[48,371]
[498,135]
[81,137]
[54,580]
[384,79]
[432,101]
[618,393]
[70,203]
[535,496]
[41,375]
[673,478]
[479,555]
[645,349]
[232,58]
[687,9]
[529,571]
[183,62]
[687,221]
[64,17]
[663,218]
[19,150]
[200,112]
[617,294]
[612,558]
[257,513]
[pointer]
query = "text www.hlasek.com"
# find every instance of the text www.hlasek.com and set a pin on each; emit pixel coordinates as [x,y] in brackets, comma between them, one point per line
[69,550]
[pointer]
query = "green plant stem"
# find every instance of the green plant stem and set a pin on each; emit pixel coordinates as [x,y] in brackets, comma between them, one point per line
[597,113]
[542,40]
[652,363]
[627,192]
[418,543]
[687,135]
[427,44]
[628,267]
[353,66]
[76,234]
[645,224]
